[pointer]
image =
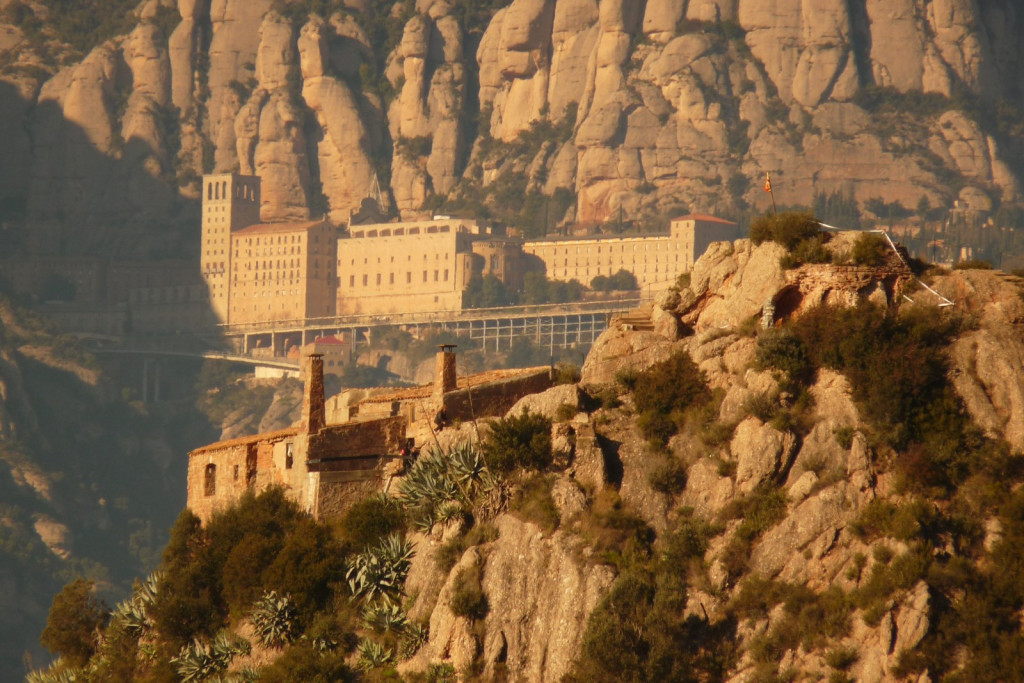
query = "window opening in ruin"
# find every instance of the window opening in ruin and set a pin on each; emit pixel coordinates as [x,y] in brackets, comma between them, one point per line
[234,473]
[289,458]
[210,480]
[250,466]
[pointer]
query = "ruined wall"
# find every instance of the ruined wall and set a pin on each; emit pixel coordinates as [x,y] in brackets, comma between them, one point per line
[494,398]
[370,437]
[217,477]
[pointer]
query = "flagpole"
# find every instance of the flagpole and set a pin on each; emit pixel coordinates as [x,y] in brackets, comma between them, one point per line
[768,189]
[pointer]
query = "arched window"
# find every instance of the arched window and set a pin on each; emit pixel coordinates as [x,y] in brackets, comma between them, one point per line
[209,190]
[210,480]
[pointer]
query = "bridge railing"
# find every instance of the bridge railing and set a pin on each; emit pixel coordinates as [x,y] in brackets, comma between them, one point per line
[439,317]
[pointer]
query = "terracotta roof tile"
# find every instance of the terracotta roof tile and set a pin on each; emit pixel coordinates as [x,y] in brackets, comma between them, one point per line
[245,440]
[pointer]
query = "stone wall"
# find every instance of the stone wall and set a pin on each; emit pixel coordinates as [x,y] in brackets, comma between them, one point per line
[354,439]
[232,469]
[494,399]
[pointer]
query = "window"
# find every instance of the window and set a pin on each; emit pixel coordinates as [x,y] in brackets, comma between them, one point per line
[235,473]
[408,277]
[289,457]
[210,480]
[366,279]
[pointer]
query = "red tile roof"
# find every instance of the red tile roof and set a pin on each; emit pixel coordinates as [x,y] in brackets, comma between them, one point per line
[329,341]
[426,390]
[245,440]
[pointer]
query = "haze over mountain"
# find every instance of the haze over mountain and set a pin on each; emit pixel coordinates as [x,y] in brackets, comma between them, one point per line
[534,111]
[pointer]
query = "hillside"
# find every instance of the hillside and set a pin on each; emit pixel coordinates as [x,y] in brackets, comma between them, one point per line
[535,112]
[829,489]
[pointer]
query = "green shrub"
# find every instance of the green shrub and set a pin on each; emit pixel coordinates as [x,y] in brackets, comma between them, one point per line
[72,624]
[844,437]
[532,502]
[304,663]
[372,519]
[616,535]
[567,373]
[763,406]
[449,553]
[809,619]
[565,412]
[667,476]
[522,440]
[759,511]
[664,392]
[841,658]
[788,228]
[468,599]
[870,249]
[781,349]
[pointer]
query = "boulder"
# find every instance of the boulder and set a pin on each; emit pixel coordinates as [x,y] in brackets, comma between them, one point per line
[762,453]
[548,403]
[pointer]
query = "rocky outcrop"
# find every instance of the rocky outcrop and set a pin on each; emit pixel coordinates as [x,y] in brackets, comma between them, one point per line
[988,362]
[539,595]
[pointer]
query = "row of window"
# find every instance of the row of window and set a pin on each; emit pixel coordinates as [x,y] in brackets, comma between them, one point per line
[391,278]
[366,261]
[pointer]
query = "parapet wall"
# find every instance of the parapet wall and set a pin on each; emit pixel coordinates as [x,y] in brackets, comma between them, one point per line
[355,439]
[494,399]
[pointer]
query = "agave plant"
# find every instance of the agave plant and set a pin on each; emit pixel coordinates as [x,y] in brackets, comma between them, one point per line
[197,662]
[273,619]
[133,613]
[57,674]
[441,483]
[414,636]
[378,574]
[384,617]
[373,655]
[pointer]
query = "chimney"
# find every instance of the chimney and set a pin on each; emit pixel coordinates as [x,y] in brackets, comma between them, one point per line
[313,417]
[444,370]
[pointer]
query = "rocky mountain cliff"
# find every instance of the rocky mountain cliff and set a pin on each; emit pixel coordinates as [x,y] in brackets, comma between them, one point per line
[90,479]
[537,112]
[775,473]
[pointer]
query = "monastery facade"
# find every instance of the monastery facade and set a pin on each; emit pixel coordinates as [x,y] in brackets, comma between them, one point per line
[274,272]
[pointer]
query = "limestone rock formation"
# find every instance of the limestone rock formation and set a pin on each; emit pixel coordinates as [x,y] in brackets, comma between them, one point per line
[636,110]
[539,597]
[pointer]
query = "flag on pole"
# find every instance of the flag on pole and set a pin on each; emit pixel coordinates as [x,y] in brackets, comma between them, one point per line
[767,182]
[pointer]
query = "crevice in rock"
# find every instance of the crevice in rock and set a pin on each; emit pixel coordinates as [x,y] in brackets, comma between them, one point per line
[612,461]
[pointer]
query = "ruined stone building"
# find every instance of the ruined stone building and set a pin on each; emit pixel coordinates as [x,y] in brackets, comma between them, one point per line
[340,449]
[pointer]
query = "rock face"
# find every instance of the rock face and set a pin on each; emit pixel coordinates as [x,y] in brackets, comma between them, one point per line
[539,597]
[656,107]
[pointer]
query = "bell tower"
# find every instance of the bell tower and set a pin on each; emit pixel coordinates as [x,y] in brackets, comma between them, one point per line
[230,202]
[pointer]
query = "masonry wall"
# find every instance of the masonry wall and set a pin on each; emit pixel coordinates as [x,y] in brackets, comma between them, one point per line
[494,399]
[655,260]
[282,272]
[236,469]
[396,270]
[353,439]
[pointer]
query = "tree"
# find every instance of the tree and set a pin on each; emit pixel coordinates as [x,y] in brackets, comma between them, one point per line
[75,618]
